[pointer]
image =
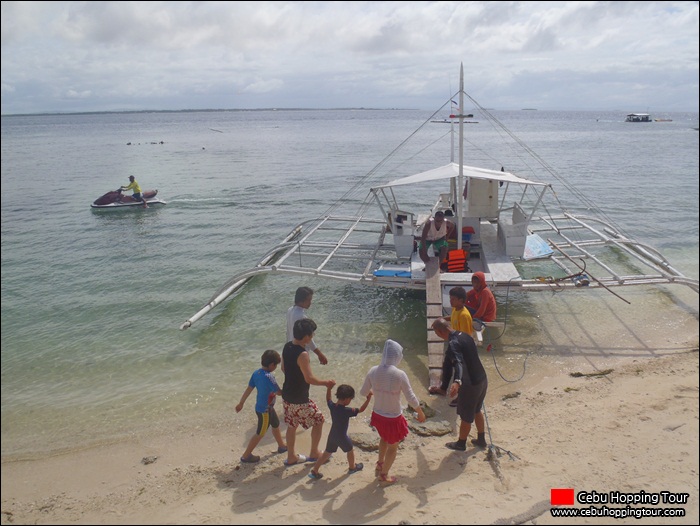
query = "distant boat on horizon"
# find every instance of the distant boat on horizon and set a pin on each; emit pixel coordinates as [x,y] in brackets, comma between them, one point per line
[638,117]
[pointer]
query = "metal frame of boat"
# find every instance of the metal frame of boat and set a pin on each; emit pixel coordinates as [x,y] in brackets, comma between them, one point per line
[506,220]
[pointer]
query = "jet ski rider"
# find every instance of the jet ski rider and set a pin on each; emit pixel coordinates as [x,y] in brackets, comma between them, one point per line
[133,185]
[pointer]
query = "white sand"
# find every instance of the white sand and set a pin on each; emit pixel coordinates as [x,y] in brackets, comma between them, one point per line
[633,430]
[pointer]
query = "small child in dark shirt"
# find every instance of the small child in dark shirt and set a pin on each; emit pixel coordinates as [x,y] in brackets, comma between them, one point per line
[338,436]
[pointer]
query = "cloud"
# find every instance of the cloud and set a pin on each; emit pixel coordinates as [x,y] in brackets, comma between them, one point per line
[263,86]
[102,56]
[72,94]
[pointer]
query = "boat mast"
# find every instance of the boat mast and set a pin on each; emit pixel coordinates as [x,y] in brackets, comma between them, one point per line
[460,184]
[453,183]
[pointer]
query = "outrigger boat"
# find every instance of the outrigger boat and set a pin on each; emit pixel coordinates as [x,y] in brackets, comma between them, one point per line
[507,221]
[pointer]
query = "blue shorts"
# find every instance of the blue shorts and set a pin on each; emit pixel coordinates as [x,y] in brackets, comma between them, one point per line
[137,196]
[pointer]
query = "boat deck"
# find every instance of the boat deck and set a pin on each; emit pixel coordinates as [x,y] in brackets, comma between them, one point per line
[491,260]
[498,265]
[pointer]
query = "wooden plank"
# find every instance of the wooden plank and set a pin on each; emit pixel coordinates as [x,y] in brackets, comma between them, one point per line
[433,310]
[433,294]
[429,324]
[436,353]
[435,362]
[435,377]
[436,348]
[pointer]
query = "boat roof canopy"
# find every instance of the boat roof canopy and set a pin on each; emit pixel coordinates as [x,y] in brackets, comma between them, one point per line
[451,170]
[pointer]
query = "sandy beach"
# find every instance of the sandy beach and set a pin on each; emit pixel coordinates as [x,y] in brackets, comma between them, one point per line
[632,430]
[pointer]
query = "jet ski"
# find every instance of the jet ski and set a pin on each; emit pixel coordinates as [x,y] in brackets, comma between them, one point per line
[114,200]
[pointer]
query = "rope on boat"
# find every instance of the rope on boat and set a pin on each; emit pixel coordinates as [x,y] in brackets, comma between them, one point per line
[567,256]
[580,278]
[361,183]
[489,345]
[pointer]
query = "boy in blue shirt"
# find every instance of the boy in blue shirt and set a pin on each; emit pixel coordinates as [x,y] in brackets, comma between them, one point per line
[338,436]
[264,381]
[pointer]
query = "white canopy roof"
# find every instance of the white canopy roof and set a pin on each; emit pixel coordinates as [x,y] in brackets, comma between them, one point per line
[452,170]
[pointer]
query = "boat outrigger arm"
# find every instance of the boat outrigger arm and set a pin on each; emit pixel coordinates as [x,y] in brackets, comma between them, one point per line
[505,220]
[359,248]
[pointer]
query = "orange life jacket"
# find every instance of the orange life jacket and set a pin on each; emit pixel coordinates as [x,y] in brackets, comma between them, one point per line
[457,260]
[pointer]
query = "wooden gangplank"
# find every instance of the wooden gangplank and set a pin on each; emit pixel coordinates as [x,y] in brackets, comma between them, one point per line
[433,311]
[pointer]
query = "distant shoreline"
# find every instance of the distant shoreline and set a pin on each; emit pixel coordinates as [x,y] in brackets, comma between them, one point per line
[196,111]
[212,110]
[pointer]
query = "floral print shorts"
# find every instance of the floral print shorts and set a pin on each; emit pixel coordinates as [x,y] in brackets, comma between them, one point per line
[305,415]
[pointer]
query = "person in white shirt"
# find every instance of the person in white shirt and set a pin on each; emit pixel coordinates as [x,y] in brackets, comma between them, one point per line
[435,232]
[302,301]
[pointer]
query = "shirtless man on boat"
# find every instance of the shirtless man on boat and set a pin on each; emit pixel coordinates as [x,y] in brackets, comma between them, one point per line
[435,232]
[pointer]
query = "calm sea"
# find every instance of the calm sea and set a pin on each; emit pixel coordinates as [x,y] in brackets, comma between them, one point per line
[92,302]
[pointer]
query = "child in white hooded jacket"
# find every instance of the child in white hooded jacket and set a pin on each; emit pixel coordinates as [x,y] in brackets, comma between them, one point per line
[386,381]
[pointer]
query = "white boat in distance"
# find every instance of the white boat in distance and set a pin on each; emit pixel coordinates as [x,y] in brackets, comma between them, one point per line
[508,222]
[638,117]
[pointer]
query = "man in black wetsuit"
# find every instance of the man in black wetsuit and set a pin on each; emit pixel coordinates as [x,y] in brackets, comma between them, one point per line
[469,384]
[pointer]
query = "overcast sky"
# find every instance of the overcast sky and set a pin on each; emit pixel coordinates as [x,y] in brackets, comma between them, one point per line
[112,56]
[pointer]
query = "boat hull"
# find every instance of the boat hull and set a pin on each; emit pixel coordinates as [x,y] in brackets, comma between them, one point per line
[115,201]
[125,206]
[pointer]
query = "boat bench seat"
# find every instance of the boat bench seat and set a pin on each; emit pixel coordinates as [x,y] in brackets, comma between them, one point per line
[498,265]
[479,335]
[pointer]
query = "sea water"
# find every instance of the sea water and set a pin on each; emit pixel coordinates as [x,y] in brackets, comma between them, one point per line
[92,302]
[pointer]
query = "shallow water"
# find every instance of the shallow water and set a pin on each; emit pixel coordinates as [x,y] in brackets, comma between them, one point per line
[92,302]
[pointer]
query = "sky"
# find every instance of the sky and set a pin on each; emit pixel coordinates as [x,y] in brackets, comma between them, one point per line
[124,56]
